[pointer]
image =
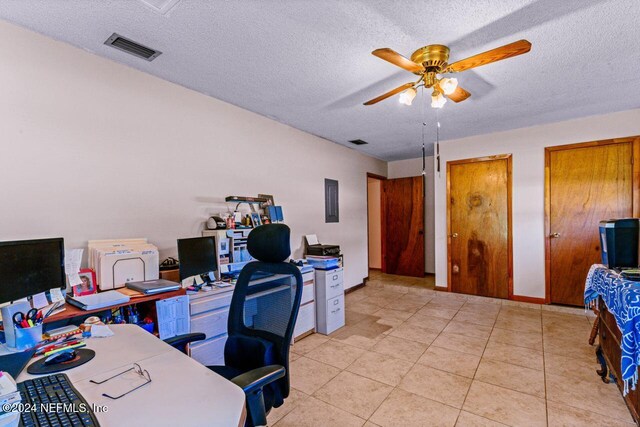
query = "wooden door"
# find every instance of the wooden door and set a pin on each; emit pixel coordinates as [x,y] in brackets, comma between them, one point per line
[585,184]
[479,194]
[403,226]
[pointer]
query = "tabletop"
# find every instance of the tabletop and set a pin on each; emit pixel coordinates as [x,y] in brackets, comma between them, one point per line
[181,392]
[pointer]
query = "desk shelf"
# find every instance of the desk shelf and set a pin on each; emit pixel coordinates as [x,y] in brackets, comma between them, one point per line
[71,311]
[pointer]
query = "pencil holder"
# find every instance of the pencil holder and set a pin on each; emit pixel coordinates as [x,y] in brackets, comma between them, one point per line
[28,337]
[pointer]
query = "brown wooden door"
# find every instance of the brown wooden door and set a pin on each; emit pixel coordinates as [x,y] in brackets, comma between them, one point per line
[479,230]
[586,185]
[403,226]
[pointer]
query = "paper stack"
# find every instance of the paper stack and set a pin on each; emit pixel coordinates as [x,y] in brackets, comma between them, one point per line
[117,262]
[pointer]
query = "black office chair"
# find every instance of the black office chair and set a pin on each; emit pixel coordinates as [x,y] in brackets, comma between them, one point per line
[180,342]
[261,321]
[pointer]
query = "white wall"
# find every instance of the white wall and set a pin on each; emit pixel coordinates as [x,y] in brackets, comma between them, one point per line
[413,167]
[92,149]
[374,223]
[527,146]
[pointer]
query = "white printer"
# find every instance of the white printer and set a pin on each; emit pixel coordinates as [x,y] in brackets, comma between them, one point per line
[117,262]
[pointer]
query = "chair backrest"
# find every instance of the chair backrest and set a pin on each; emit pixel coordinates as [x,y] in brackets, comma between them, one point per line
[263,314]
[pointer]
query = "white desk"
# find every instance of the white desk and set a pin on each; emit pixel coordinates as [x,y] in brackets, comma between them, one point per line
[209,313]
[182,391]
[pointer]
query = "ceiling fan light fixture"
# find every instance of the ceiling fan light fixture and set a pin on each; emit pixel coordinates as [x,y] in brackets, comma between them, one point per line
[448,86]
[438,100]
[407,96]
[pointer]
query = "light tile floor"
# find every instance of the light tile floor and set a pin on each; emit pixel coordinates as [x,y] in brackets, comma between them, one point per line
[411,356]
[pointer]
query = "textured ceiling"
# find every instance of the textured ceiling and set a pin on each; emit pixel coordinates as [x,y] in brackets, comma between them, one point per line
[308,63]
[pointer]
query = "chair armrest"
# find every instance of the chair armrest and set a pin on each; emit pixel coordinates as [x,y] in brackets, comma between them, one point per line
[258,378]
[180,341]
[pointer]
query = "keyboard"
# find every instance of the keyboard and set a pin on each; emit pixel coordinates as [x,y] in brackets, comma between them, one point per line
[53,401]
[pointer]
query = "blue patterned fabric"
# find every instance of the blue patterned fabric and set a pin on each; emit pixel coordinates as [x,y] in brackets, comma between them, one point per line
[622,298]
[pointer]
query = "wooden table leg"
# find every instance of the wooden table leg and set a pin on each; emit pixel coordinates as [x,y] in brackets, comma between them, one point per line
[603,365]
[596,325]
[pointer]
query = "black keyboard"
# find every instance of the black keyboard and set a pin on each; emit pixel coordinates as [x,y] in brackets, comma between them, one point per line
[53,401]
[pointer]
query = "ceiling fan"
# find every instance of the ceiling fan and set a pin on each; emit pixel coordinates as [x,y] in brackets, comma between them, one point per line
[429,62]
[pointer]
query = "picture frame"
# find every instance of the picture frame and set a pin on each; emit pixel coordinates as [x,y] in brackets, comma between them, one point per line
[88,286]
[255,219]
[269,201]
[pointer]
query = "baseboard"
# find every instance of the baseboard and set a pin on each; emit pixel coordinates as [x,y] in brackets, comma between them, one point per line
[354,288]
[374,268]
[533,300]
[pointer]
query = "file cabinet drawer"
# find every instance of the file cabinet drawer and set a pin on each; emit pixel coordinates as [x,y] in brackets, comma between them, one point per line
[335,286]
[208,303]
[306,319]
[334,276]
[211,324]
[335,314]
[209,352]
[329,283]
[308,294]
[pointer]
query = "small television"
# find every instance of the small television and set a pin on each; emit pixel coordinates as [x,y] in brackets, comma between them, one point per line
[28,267]
[197,255]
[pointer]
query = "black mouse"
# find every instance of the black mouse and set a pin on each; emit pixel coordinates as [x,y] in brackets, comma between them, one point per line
[61,357]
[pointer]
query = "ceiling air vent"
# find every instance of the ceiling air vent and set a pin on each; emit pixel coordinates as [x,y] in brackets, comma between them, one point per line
[126,45]
[358,142]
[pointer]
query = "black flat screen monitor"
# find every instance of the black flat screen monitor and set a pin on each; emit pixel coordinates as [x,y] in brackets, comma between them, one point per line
[28,267]
[197,256]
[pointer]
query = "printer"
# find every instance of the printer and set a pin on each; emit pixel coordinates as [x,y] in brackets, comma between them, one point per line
[315,248]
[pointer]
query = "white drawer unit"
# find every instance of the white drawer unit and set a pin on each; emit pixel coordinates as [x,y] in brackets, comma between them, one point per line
[212,323]
[306,321]
[209,352]
[210,302]
[209,313]
[329,300]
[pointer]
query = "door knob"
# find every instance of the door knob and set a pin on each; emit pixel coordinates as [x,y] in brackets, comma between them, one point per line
[454,235]
[554,235]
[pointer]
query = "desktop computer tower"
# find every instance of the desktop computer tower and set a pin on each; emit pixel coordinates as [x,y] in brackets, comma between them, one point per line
[619,242]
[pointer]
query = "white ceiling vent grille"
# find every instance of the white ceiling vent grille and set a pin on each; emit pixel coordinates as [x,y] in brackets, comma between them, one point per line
[134,48]
[160,6]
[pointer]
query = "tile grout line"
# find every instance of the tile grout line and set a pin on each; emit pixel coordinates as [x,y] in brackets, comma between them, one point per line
[476,370]
[401,377]
[416,362]
[397,386]
[544,372]
[413,364]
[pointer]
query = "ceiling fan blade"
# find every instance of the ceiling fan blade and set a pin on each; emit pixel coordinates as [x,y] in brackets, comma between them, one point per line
[395,58]
[390,93]
[459,95]
[493,55]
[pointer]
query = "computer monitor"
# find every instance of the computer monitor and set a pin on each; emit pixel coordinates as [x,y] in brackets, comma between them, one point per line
[197,256]
[28,267]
